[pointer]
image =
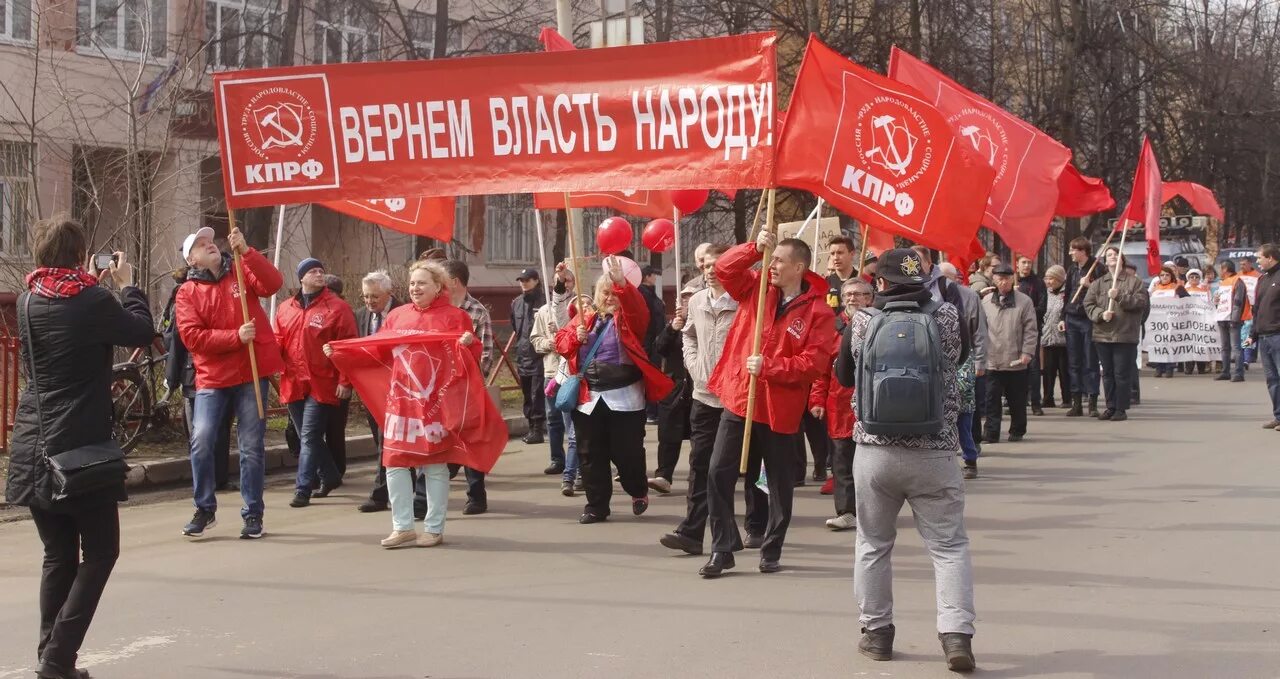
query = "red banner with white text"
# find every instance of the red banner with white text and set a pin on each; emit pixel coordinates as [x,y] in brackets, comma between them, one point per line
[677,115]
[878,151]
[420,216]
[652,204]
[429,397]
[1027,161]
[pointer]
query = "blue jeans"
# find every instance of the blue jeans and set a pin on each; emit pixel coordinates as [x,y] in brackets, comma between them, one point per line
[1229,335]
[1082,357]
[210,408]
[571,449]
[1269,347]
[311,419]
[967,445]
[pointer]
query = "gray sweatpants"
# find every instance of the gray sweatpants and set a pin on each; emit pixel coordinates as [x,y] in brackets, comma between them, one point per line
[930,481]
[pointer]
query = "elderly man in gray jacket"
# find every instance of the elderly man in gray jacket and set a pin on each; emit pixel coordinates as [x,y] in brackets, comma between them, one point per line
[1012,338]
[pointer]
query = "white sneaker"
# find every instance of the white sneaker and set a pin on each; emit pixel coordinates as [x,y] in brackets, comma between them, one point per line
[660,484]
[400,538]
[843,522]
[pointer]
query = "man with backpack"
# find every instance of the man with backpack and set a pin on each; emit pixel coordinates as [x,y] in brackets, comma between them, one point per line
[907,402]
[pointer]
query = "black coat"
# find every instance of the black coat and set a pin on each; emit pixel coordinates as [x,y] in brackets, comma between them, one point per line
[362,317]
[1033,286]
[528,361]
[657,321]
[74,338]
[179,369]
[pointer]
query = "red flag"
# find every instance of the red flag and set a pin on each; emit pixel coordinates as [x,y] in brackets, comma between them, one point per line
[1144,203]
[877,150]
[428,395]
[1081,196]
[1027,161]
[552,41]
[878,242]
[431,217]
[652,204]
[1200,197]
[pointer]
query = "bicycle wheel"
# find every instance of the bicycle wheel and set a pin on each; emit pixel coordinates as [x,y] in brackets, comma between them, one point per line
[130,405]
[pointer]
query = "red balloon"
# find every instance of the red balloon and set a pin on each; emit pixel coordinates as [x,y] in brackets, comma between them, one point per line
[659,235]
[689,201]
[613,235]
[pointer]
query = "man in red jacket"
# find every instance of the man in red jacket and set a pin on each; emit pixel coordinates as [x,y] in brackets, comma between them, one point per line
[212,326]
[311,385]
[796,350]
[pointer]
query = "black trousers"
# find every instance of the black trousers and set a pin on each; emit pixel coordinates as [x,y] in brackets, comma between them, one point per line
[1033,379]
[221,445]
[1056,370]
[842,451]
[535,400]
[815,430]
[777,451]
[673,428]
[475,484]
[379,492]
[1120,366]
[1012,385]
[980,405]
[70,588]
[704,422]
[606,437]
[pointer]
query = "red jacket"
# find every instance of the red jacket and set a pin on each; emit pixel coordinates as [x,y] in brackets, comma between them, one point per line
[837,400]
[633,319]
[209,320]
[302,334]
[796,347]
[439,316]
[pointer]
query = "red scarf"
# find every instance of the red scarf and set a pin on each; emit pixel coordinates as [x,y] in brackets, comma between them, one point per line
[48,281]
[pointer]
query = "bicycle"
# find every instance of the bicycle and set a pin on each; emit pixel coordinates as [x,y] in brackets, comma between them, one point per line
[132,386]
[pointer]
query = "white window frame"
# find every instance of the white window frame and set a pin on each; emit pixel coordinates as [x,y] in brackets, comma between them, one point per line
[215,41]
[91,43]
[6,35]
[347,27]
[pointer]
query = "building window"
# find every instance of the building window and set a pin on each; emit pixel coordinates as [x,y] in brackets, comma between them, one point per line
[511,233]
[346,31]
[241,34]
[422,33]
[15,19]
[133,27]
[15,195]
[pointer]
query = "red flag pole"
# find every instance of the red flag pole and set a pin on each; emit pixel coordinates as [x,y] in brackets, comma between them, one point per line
[758,336]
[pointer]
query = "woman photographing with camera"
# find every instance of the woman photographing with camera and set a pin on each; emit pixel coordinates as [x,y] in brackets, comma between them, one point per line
[64,465]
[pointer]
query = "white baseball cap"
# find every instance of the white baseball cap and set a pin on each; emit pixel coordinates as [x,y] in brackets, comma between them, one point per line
[203,232]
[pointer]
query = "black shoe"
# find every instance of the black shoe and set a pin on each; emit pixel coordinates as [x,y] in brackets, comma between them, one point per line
[971,470]
[1050,403]
[591,517]
[639,505]
[958,648]
[555,468]
[1093,406]
[52,671]
[717,565]
[990,439]
[769,565]
[533,437]
[1038,411]
[1107,414]
[819,476]
[252,528]
[200,522]
[1238,378]
[682,543]
[300,500]
[1120,416]
[371,506]
[1077,409]
[877,644]
[753,541]
[326,488]
[474,508]
[1222,377]
[1014,438]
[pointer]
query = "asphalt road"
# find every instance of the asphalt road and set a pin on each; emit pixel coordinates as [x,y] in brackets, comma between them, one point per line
[1138,549]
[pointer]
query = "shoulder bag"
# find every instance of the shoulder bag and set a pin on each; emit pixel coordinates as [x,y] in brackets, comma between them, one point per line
[78,471]
[567,396]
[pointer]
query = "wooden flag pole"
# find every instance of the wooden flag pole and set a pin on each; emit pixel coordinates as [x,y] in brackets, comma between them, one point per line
[758,336]
[1115,275]
[244,313]
[573,257]
[862,252]
[1080,288]
[756,220]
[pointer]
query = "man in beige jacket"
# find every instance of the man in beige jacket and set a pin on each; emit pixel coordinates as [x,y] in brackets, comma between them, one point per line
[1117,310]
[1012,335]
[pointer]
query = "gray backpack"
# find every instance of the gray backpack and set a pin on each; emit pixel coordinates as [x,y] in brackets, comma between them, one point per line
[900,368]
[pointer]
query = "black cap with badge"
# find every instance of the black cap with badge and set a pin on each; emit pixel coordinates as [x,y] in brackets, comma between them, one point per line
[902,266]
[528,275]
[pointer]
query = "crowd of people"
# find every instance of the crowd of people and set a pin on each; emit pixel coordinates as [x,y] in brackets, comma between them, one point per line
[817,371]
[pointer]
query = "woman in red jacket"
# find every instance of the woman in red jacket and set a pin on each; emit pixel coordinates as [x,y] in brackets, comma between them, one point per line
[430,311]
[616,383]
